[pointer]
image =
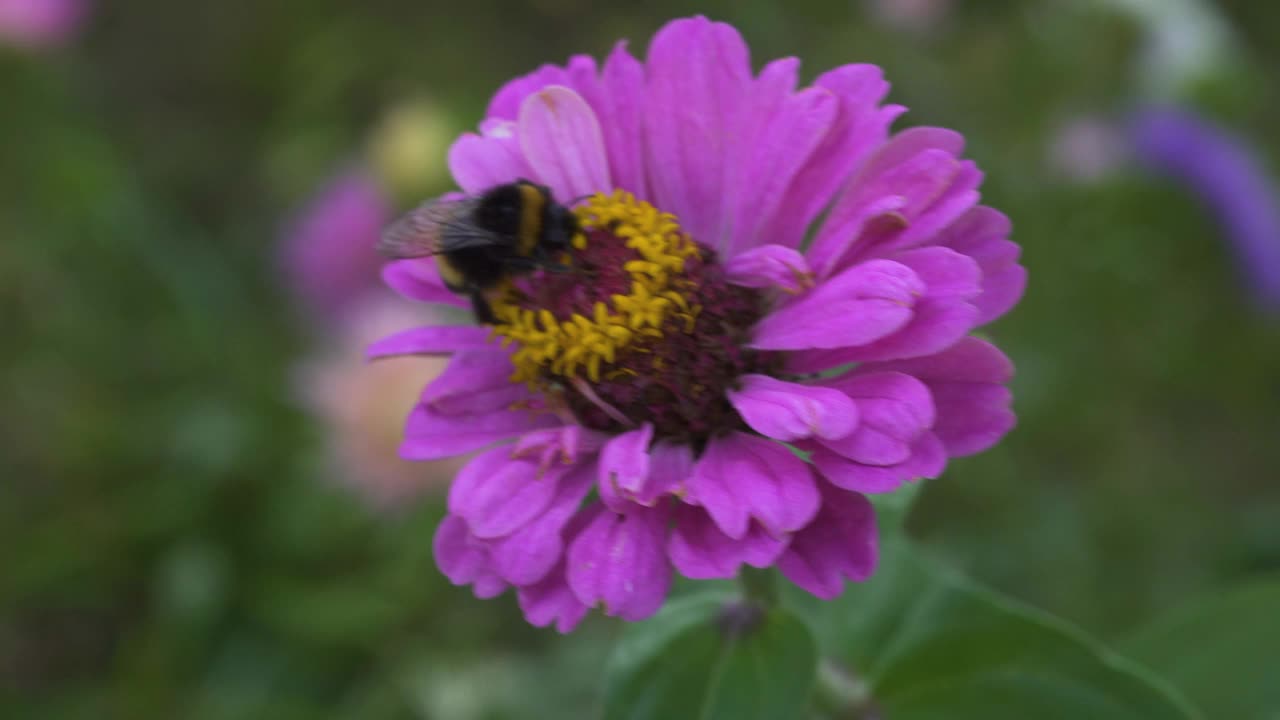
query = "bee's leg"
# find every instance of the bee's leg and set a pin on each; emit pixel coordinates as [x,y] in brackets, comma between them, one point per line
[480,306]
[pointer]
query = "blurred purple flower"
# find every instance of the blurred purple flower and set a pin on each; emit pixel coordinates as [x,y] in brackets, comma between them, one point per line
[328,250]
[1224,172]
[40,24]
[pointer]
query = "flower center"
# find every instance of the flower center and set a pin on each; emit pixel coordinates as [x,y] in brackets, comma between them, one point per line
[642,328]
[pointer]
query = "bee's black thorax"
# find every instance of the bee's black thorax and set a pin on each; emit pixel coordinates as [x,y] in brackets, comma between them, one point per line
[500,212]
[530,230]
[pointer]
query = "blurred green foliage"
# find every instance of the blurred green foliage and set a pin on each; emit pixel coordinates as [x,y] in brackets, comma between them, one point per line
[169,547]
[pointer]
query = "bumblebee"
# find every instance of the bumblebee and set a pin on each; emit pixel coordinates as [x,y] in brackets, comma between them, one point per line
[479,242]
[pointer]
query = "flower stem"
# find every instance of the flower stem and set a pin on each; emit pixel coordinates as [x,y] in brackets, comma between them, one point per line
[759,586]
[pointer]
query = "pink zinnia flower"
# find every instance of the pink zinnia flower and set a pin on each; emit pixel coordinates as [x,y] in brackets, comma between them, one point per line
[40,24]
[641,410]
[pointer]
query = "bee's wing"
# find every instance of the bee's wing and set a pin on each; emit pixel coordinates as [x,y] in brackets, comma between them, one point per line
[420,232]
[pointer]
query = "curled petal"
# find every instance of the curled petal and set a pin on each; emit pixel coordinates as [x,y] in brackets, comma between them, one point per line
[935,325]
[740,477]
[910,186]
[624,461]
[967,385]
[464,560]
[858,306]
[670,466]
[840,544]
[983,234]
[619,561]
[699,550]
[528,554]
[563,444]
[925,459]
[944,272]
[790,411]
[972,417]
[769,266]
[894,409]
[496,495]
[551,600]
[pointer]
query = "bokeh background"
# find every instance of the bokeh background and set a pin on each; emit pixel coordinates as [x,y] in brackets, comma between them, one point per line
[200,514]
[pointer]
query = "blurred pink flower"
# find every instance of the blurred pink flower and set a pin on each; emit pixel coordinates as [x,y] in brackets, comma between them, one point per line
[328,249]
[40,24]
[363,404]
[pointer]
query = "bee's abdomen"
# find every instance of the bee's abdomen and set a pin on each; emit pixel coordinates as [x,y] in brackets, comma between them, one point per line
[482,268]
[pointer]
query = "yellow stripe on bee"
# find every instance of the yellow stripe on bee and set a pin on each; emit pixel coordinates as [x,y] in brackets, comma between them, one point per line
[452,277]
[586,344]
[532,202]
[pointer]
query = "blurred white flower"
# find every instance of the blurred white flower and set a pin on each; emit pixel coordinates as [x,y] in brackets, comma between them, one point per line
[363,404]
[910,15]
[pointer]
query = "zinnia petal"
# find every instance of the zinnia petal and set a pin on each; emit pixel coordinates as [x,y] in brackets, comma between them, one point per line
[862,304]
[497,495]
[967,383]
[481,162]
[840,544]
[464,560]
[619,561]
[562,142]
[437,340]
[769,266]
[859,127]
[700,550]
[528,554]
[782,130]
[699,74]
[740,477]
[790,411]
[624,466]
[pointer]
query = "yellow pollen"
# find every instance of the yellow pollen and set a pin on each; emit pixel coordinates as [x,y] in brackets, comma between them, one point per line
[588,345]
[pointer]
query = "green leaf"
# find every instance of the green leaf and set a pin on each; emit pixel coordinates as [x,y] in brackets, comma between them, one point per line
[1223,651]
[693,661]
[932,644]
